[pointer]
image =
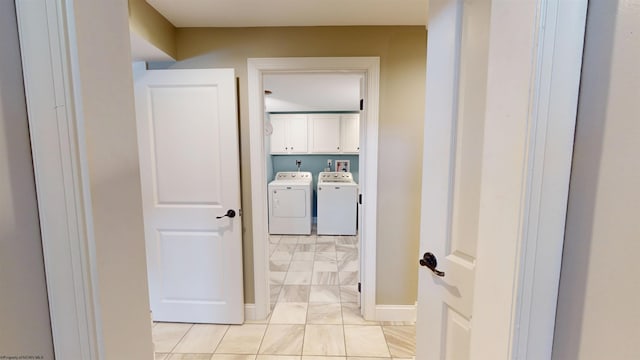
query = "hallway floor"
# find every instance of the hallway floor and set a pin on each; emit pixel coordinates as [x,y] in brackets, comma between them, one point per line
[315,313]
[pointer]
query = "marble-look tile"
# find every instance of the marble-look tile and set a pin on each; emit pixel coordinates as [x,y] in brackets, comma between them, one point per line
[303,256]
[301,266]
[242,339]
[298,278]
[349,293]
[351,315]
[351,265]
[365,341]
[325,239]
[319,313]
[289,239]
[232,357]
[283,340]
[324,294]
[347,255]
[325,256]
[289,313]
[349,278]
[367,358]
[280,255]
[278,357]
[289,248]
[274,291]
[306,248]
[279,265]
[324,358]
[160,356]
[310,239]
[189,357]
[294,293]
[325,278]
[277,277]
[325,266]
[347,240]
[401,340]
[201,338]
[324,340]
[272,249]
[274,239]
[260,321]
[167,335]
[326,247]
[397,323]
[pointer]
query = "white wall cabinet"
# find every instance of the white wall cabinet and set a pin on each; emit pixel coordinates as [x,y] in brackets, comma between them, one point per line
[315,133]
[290,134]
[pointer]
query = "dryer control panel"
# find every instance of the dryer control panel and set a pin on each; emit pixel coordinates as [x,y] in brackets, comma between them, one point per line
[336,176]
[293,175]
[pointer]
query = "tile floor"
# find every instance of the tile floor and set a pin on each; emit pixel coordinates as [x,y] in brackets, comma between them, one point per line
[315,313]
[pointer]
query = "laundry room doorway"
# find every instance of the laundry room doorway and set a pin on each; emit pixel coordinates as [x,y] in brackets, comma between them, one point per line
[309,134]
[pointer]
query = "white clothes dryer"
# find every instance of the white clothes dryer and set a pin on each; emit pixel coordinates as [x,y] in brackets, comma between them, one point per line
[290,203]
[337,203]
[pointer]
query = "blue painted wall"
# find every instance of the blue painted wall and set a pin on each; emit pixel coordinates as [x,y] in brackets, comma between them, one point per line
[313,163]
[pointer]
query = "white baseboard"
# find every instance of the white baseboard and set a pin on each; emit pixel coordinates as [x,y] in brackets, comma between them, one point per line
[250,312]
[396,313]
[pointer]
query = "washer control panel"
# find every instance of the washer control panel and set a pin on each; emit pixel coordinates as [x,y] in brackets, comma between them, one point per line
[293,175]
[336,176]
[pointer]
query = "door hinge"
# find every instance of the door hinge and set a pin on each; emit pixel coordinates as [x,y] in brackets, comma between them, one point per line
[361,104]
[360,199]
[359,287]
[240,212]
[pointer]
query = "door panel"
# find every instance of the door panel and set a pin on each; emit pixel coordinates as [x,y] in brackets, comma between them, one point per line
[455,107]
[189,169]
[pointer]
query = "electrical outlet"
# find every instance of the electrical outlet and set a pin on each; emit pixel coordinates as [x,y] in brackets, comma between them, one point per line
[329,162]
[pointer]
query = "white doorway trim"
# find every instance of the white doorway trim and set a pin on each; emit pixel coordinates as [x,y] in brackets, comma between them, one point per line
[370,68]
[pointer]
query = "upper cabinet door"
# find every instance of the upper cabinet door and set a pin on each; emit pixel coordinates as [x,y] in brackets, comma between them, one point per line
[279,136]
[325,133]
[350,133]
[298,134]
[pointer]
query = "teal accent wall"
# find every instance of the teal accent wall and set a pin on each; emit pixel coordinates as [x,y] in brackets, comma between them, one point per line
[313,163]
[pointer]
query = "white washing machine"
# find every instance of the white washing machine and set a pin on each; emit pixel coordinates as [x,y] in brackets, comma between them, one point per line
[337,203]
[290,198]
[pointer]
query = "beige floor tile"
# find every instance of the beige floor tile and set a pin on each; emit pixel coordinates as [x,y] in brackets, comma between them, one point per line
[298,278]
[161,356]
[349,277]
[201,338]
[280,255]
[322,239]
[189,357]
[283,340]
[366,358]
[274,239]
[303,256]
[325,256]
[167,335]
[323,358]
[350,265]
[289,313]
[279,265]
[242,339]
[301,266]
[351,315]
[306,247]
[325,278]
[311,239]
[349,293]
[294,293]
[324,294]
[277,277]
[324,313]
[278,357]
[326,247]
[274,291]
[401,340]
[289,239]
[324,340]
[347,254]
[289,248]
[232,357]
[398,323]
[325,266]
[365,341]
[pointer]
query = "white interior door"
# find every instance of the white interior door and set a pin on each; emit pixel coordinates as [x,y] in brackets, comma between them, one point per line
[189,168]
[455,107]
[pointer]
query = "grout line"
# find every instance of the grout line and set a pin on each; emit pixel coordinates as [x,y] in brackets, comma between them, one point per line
[182,338]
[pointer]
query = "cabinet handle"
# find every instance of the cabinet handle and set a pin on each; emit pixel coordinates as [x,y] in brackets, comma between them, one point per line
[292,148]
[338,147]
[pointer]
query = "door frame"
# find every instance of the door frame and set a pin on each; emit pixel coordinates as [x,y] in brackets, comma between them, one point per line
[368,158]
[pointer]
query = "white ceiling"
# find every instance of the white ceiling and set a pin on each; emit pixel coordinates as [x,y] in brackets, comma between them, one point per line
[312,92]
[252,13]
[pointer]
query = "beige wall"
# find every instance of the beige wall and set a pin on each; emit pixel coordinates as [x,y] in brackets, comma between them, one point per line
[402,52]
[598,316]
[106,97]
[24,314]
[151,25]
